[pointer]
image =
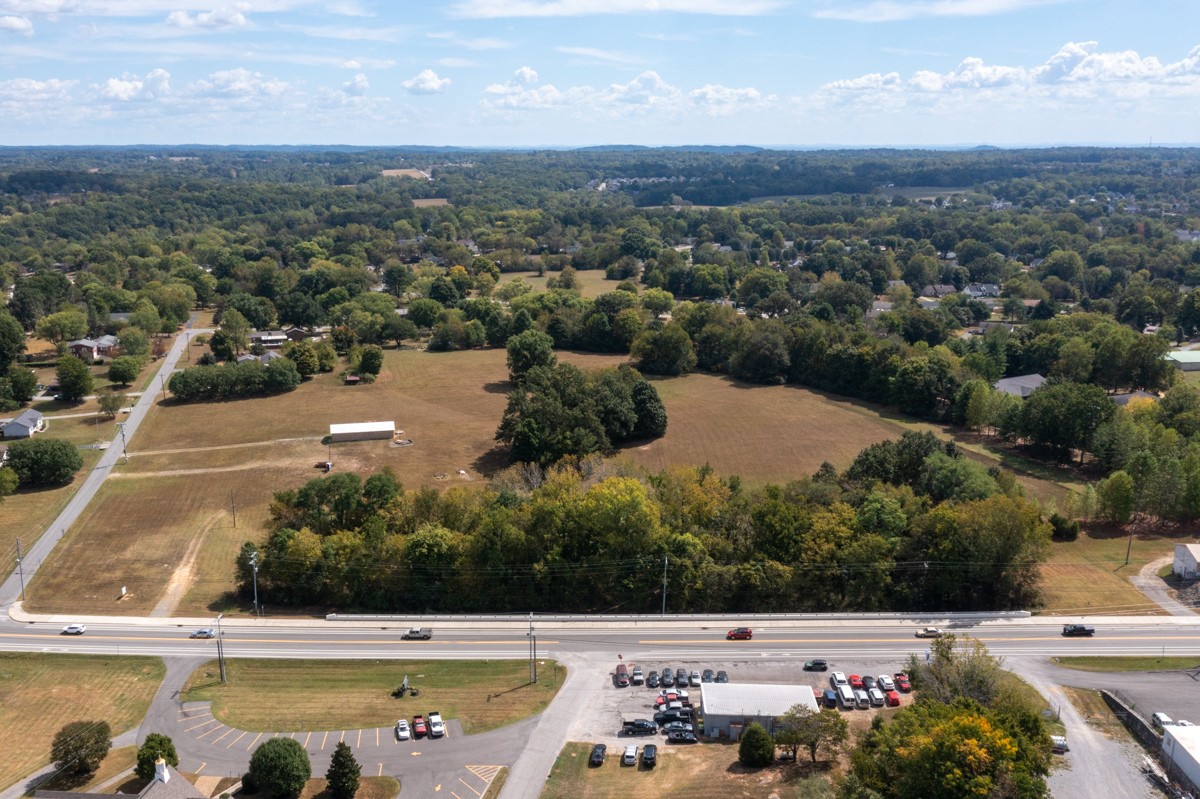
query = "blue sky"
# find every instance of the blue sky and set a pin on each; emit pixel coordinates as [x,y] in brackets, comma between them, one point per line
[582,72]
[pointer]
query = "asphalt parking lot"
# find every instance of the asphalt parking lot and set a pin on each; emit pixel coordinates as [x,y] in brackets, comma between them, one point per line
[600,721]
[1176,693]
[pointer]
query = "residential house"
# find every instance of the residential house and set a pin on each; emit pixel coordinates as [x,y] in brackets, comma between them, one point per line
[928,303]
[269,338]
[938,290]
[1125,398]
[85,348]
[1185,360]
[1020,386]
[879,307]
[1187,561]
[25,424]
[979,290]
[167,784]
[300,334]
[266,357]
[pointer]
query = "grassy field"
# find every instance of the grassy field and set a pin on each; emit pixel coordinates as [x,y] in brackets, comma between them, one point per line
[1131,663]
[307,695]
[1089,575]
[115,762]
[592,282]
[41,692]
[710,770]
[368,788]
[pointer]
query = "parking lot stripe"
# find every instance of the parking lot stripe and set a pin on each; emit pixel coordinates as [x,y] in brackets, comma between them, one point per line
[210,732]
[306,740]
[342,737]
[252,743]
[377,736]
[202,765]
[240,737]
[201,724]
[464,782]
[184,715]
[358,745]
[324,738]
[217,740]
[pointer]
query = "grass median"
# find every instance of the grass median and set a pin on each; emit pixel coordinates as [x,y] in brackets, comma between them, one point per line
[39,693]
[1132,663]
[307,695]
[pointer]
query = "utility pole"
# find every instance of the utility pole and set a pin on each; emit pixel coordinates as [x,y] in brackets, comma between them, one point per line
[20,570]
[124,448]
[254,566]
[664,586]
[532,651]
[233,507]
[221,647]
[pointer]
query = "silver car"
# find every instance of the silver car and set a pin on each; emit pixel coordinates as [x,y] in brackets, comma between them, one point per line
[204,632]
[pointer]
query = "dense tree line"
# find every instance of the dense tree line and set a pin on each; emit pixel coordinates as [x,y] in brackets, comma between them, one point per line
[234,380]
[911,525]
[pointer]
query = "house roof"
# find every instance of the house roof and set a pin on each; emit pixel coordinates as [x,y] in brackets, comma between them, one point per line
[754,699]
[362,427]
[1021,385]
[1193,549]
[1184,356]
[91,344]
[28,417]
[176,787]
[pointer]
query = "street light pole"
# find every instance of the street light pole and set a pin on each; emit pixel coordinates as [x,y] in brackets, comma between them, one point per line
[20,570]
[221,647]
[124,447]
[664,606]
[254,566]
[532,644]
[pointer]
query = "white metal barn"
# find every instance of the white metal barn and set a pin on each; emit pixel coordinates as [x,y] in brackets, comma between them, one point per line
[1187,561]
[361,431]
[1181,748]
[729,708]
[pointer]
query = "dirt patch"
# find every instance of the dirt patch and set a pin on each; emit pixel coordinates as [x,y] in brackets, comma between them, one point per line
[181,578]
[415,174]
[430,202]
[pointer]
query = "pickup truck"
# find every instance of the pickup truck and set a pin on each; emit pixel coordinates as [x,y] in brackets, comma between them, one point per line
[1078,629]
[638,727]
[418,634]
[436,727]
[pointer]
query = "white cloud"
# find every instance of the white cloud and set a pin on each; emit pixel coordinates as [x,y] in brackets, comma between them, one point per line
[14,24]
[356,86]
[525,75]
[238,84]
[646,92]
[482,43]
[491,9]
[457,63]
[25,98]
[603,56]
[217,19]
[367,63]
[426,82]
[155,85]
[897,10]
[717,100]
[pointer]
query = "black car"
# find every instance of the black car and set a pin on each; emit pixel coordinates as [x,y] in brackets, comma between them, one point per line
[639,727]
[667,716]
[652,679]
[598,753]
[668,679]
[815,665]
[708,676]
[649,755]
[868,682]
[681,678]
[722,676]
[680,737]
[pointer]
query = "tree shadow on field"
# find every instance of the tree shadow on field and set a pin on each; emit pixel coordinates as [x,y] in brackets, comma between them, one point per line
[498,387]
[492,461]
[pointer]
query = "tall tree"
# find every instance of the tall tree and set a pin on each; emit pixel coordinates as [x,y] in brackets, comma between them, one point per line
[344,772]
[79,747]
[155,746]
[12,339]
[74,378]
[280,768]
[801,726]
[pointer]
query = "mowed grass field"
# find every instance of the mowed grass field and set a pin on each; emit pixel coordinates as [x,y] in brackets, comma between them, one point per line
[1089,575]
[311,695]
[592,282]
[41,692]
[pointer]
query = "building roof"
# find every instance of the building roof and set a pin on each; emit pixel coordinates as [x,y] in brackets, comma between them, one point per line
[28,417]
[754,699]
[1194,549]
[362,427]
[1021,385]
[176,787]
[1184,356]
[1185,738]
[1124,399]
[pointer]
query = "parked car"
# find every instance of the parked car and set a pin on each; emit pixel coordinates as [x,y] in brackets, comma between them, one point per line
[652,679]
[829,698]
[885,683]
[204,632]
[630,756]
[722,676]
[436,728]
[876,697]
[682,737]
[649,755]
[74,629]
[402,732]
[694,678]
[418,726]
[667,679]
[681,678]
[902,682]
[739,634]
[856,682]
[861,700]
[598,753]
[838,678]
[1058,745]
[677,726]
[639,727]
[815,665]
[868,682]
[929,632]
[708,676]
[621,677]
[667,716]
[892,699]
[636,677]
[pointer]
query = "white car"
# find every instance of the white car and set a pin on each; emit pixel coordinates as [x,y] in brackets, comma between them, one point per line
[838,678]
[402,733]
[876,697]
[929,632]
[436,727]
[886,683]
[74,629]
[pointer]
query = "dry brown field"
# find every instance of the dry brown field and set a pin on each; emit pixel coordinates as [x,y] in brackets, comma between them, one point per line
[592,282]
[430,202]
[404,173]
[27,513]
[41,692]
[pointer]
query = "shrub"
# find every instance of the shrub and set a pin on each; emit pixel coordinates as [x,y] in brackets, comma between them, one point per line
[44,461]
[756,749]
[1064,529]
[79,746]
[280,767]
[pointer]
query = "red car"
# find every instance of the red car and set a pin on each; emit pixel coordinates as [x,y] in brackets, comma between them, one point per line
[739,634]
[419,726]
[902,682]
[892,698]
[856,682]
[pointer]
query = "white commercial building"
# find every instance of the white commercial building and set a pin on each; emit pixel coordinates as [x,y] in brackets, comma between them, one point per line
[1181,749]
[731,707]
[361,431]
[1187,561]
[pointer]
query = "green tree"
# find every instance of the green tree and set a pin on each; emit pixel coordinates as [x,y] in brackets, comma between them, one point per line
[79,747]
[12,339]
[801,726]
[371,360]
[8,482]
[280,768]
[344,772]
[42,461]
[111,403]
[424,312]
[155,746]
[236,330]
[658,301]
[526,350]
[304,355]
[667,351]
[74,378]
[1064,416]
[1116,497]
[22,381]
[124,369]
[134,341]
[756,749]
[61,327]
